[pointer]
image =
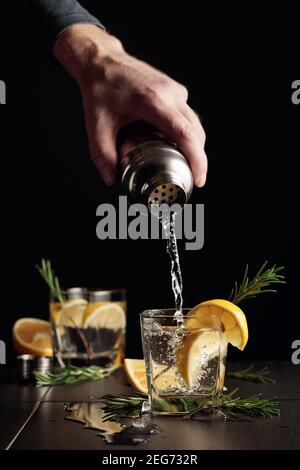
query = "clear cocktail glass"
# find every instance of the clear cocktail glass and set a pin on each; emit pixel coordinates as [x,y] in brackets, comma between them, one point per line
[185,362]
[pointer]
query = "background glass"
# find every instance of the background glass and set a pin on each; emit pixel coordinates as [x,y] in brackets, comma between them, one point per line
[165,346]
[88,326]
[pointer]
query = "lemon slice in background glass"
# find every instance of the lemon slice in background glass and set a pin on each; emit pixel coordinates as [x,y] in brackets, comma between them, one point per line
[105,315]
[70,313]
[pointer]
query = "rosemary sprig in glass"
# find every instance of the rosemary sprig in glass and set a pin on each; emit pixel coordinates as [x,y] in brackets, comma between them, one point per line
[47,273]
[72,374]
[261,376]
[120,406]
[259,284]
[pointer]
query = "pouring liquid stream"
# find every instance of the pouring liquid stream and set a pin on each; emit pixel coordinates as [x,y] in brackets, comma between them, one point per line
[168,224]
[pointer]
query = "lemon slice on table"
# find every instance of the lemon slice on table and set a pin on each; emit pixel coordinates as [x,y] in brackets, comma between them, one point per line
[164,377]
[106,315]
[32,336]
[135,372]
[71,313]
[232,318]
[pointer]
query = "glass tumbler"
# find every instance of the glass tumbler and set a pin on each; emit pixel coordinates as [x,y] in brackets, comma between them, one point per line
[185,361]
[88,326]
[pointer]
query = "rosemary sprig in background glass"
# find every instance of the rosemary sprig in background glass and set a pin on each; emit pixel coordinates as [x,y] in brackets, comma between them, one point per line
[47,273]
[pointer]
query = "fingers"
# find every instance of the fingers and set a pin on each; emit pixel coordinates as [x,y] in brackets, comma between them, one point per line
[102,141]
[201,163]
[183,127]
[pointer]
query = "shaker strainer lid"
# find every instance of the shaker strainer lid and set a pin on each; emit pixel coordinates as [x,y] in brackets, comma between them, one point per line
[167,193]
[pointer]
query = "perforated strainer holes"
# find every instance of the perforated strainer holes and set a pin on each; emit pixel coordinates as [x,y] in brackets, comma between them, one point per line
[168,193]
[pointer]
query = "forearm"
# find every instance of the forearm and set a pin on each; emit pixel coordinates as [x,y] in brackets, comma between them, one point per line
[84,49]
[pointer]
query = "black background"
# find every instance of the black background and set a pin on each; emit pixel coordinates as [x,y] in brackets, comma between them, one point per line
[238,63]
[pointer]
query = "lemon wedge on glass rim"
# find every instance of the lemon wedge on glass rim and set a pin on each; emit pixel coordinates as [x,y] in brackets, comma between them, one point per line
[235,332]
[232,318]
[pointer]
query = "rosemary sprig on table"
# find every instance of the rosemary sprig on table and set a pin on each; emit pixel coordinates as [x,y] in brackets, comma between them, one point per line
[253,406]
[261,376]
[72,374]
[259,284]
[47,273]
[120,406]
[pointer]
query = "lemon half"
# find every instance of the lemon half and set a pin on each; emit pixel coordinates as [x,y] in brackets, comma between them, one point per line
[32,336]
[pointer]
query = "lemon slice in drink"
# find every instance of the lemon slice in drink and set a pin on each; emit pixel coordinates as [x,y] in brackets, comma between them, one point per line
[195,352]
[204,345]
[135,372]
[106,315]
[164,377]
[232,318]
[221,378]
[71,313]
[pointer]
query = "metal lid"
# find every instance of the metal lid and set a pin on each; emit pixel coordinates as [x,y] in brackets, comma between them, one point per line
[27,364]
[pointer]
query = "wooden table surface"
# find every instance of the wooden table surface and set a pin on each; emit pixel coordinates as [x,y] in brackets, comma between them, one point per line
[34,418]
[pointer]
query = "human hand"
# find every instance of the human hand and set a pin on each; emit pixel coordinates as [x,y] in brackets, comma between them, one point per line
[118,89]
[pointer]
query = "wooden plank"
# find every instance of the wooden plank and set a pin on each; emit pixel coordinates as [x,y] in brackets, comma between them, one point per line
[12,417]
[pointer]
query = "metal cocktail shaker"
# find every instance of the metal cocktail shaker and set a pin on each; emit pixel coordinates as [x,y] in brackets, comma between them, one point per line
[154,171]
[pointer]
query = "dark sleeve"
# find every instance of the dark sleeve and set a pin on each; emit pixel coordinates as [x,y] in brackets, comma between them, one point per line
[42,20]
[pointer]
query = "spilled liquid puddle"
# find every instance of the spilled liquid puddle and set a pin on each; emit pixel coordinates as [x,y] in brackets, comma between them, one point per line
[91,415]
[131,431]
